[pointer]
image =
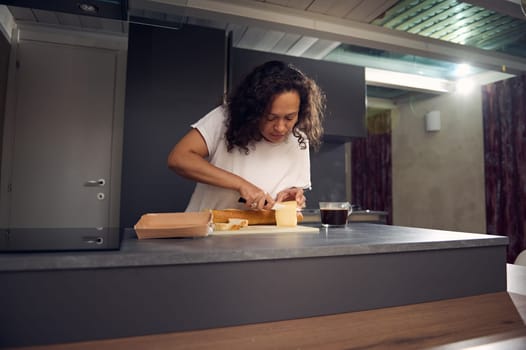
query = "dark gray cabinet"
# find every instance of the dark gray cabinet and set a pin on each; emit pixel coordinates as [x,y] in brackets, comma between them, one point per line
[343,84]
[174,77]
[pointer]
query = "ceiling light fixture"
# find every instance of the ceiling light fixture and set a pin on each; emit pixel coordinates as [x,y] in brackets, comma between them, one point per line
[88,8]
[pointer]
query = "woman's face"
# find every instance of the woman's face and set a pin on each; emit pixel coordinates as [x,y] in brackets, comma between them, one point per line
[281,118]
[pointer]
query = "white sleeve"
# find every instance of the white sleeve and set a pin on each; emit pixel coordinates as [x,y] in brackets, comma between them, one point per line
[212,128]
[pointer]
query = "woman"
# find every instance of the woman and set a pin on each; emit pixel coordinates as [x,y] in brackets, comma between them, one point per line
[255,147]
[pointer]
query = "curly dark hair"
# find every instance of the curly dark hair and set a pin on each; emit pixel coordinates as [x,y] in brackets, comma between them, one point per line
[253,97]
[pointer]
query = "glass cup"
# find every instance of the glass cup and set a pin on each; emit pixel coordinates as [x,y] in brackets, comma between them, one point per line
[334,213]
[286,214]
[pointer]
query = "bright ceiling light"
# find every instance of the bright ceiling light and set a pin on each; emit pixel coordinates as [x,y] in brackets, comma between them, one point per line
[462,70]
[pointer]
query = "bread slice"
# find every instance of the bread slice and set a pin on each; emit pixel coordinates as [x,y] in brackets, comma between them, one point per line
[222,226]
[238,222]
[233,224]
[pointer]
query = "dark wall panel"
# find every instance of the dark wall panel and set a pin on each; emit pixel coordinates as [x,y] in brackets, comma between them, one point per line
[5,49]
[171,82]
[327,175]
[344,86]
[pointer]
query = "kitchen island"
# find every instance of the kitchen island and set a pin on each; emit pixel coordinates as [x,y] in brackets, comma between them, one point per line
[166,285]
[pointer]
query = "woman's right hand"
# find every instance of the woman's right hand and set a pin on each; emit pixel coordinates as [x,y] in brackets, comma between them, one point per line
[255,197]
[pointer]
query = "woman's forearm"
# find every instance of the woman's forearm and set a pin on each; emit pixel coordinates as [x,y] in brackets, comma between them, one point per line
[195,167]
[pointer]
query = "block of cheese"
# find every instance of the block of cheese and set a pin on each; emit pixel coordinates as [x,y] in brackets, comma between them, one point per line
[254,216]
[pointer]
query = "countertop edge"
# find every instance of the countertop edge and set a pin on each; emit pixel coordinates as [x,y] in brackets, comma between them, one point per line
[13,262]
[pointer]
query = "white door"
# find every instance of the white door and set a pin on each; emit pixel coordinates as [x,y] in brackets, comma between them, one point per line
[62,136]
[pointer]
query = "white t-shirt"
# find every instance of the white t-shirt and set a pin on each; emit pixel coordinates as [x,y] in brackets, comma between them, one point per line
[272,167]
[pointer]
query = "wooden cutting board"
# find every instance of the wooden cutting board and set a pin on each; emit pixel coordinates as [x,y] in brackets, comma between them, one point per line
[267,229]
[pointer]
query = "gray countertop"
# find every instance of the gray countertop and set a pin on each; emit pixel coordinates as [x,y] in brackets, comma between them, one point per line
[355,239]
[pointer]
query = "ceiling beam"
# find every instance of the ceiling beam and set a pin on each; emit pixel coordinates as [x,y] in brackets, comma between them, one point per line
[380,77]
[7,22]
[290,20]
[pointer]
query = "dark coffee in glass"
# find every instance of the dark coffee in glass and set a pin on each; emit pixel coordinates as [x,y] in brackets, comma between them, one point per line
[336,217]
[334,213]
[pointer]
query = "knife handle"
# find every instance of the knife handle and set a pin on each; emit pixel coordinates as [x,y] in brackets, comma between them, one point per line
[243,200]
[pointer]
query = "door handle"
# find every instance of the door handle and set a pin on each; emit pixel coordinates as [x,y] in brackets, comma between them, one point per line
[99,182]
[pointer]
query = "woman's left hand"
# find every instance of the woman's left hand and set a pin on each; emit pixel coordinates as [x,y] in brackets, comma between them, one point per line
[291,194]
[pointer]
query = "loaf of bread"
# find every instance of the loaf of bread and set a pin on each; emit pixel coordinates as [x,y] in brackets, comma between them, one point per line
[254,216]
